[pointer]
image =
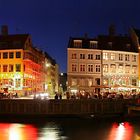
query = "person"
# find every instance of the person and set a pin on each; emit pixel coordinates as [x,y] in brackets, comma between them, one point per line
[56,96]
[60,96]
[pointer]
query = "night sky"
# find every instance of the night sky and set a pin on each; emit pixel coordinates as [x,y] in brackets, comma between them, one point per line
[52,22]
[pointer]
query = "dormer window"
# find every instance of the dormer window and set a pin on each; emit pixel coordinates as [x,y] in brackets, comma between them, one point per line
[93,44]
[78,43]
[110,44]
[128,46]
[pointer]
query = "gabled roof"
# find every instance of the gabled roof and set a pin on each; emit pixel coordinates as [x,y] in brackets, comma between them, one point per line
[16,41]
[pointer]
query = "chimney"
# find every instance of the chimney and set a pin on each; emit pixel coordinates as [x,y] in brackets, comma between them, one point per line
[112,30]
[4,30]
[86,35]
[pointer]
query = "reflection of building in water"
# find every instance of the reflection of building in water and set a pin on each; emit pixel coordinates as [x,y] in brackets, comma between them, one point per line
[17,132]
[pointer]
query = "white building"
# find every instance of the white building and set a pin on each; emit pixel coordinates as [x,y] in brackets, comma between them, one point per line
[109,63]
[84,65]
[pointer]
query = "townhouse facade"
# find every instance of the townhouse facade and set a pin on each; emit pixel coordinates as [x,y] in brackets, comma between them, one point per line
[108,64]
[23,67]
[84,65]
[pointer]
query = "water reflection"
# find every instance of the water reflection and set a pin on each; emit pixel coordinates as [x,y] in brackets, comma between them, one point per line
[9,131]
[72,130]
[121,131]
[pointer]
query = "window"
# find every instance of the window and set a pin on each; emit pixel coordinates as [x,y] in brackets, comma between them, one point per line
[98,57]
[93,44]
[121,57]
[82,82]
[82,56]
[127,57]
[18,67]
[74,56]
[82,68]
[105,56]
[11,82]
[90,56]
[127,69]
[90,82]
[11,54]
[134,82]
[74,67]
[112,57]
[78,43]
[97,68]
[5,55]
[134,58]
[134,69]
[120,68]
[105,68]
[90,68]
[112,68]
[11,68]
[97,81]
[18,54]
[73,81]
[5,68]
[17,81]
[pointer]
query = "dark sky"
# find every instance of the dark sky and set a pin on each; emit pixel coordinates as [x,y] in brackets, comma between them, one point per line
[52,22]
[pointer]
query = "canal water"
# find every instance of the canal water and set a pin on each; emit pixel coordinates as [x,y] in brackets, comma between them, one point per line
[69,129]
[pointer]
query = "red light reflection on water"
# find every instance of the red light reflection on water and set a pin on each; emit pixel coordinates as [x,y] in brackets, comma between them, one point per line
[121,131]
[17,132]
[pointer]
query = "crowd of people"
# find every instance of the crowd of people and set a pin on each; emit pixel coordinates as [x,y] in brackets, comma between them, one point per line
[103,95]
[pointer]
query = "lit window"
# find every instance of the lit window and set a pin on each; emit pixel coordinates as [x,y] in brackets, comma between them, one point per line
[90,82]
[112,56]
[112,68]
[5,68]
[17,81]
[18,54]
[93,44]
[127,69]
[121,57]
[18,67]
[82,82]
[11,54]
[105,68]
[73,81]
[120,68]
[11,68]
[5,55]
[105,56]
[78,43]
[97,68]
